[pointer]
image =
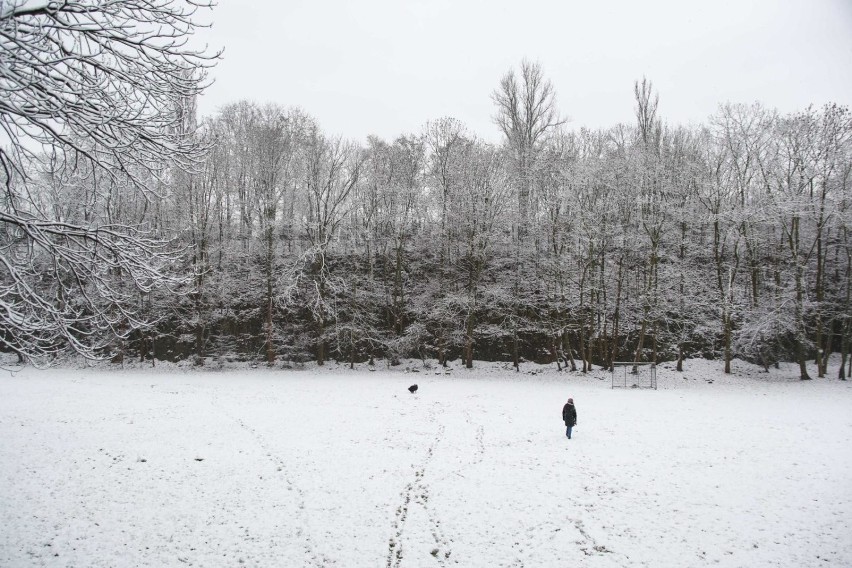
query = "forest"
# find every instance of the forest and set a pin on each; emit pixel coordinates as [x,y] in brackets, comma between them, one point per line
[254,235]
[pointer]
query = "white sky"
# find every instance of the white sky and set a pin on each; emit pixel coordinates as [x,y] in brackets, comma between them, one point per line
[386,67]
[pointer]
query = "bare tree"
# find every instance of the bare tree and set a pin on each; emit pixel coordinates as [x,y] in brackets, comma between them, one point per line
[107,80]
[526,114]
[105,85]
[559,169]
[199,200]
[446,140]
[274,142]
[715,196]
[332,170]
[479,205]
[647,102]
[652,196]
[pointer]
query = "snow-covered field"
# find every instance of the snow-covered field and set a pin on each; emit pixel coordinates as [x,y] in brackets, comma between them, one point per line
[256,467]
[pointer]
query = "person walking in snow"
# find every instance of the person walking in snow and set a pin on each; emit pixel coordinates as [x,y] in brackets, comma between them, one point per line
[569,415]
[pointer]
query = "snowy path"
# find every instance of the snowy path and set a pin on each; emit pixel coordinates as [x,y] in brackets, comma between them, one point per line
[261,468]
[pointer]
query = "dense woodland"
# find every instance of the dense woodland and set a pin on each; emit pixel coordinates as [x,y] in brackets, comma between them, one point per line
[279,243]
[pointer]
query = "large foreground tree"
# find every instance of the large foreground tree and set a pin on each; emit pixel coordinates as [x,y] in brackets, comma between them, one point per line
[96,94]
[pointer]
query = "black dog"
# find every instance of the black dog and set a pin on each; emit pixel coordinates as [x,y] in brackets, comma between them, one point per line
[412,389]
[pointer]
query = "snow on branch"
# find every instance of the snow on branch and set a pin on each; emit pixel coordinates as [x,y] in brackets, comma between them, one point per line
[89,302]
[115,73]
[109,87]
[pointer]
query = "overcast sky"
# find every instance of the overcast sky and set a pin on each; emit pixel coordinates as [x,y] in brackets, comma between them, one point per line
[386,67]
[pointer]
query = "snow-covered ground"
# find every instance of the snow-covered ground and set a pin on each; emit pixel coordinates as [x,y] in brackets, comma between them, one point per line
[257,467]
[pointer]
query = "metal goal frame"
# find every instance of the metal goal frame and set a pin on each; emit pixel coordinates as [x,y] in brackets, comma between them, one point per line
[629,374]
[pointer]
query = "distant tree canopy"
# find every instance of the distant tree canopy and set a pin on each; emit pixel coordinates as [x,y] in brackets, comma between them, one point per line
[641,242]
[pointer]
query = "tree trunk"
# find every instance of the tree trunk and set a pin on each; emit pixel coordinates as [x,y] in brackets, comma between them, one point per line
[829,346]
[200,259]
[846,328]
[117,358]
[590,340]
[801,333]
[321,342]
[803,364]
[849,369]
[468,347]
[516,358]
[727,338]
[613,357]
[646,304]
[398,292]
[200,350]
[569,352]
[581,337]
[351,349]
[654,345]
[821,355]
[637,357]
[270,350]
[724,293]
[554,353]
[617,314]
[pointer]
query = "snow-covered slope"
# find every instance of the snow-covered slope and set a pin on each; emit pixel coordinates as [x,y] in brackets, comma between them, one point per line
[345,468]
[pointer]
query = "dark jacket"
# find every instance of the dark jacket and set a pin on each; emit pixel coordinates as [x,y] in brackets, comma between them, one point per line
[569,414]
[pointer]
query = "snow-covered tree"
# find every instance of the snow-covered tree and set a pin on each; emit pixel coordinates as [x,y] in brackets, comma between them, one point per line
[332,170]
[101,85]
[526,115]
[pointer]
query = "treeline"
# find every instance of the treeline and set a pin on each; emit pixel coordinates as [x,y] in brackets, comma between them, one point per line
[642,242]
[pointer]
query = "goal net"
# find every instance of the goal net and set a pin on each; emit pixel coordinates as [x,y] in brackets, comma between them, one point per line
[634,375]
